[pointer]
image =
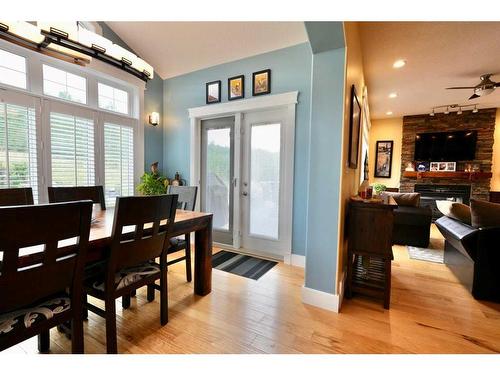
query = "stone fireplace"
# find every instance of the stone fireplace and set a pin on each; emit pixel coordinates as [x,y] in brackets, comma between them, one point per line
[483,122]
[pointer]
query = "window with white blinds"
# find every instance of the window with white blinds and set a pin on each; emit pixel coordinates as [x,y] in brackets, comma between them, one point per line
[18,153]
[72,150]
[118,161]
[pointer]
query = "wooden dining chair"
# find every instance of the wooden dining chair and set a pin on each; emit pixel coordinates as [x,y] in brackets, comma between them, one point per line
[16,197]
[186,201]
[35,298]
[131,262]
[75,193]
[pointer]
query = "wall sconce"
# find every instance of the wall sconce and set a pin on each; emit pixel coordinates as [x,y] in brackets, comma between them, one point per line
[154,118]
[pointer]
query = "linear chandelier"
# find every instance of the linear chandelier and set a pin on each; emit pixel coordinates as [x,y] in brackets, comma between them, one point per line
[73,40]
[457,108]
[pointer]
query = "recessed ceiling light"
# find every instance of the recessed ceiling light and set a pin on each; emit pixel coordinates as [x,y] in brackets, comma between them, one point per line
[388,113]
[393,95]
[399,63]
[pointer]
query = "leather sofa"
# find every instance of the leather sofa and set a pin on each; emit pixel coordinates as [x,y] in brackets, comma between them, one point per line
[473,255]
[412,223]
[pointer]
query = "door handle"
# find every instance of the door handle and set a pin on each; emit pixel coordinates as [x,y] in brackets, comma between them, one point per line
[244,193]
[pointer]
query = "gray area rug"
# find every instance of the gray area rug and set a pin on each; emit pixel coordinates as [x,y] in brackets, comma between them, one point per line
[241,265]
[428,255]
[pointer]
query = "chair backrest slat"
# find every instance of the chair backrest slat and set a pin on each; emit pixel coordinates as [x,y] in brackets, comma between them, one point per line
[144,244]
[77,193]
[41,228]
[16,197]
[187,196]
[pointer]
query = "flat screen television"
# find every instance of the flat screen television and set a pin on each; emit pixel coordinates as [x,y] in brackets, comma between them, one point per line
[446,146]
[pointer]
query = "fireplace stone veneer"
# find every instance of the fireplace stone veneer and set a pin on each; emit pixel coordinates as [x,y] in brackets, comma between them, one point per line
[483,122]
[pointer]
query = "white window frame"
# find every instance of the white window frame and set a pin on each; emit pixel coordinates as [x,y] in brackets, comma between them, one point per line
[66,85]
[95,72]
[25,68]
[130,107]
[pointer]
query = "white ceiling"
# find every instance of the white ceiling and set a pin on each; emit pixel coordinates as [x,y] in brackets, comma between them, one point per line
[438,54]
[175,48]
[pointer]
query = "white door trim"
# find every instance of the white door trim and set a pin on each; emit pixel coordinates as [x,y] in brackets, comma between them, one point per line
[238,108]
[244,105]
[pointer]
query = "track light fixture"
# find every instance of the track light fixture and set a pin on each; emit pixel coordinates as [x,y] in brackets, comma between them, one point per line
[455,108]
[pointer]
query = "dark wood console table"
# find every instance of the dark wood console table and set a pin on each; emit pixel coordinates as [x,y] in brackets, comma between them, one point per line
[370,237]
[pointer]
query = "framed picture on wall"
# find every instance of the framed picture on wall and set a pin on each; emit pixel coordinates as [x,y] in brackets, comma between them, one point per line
[383,159]
[261,82]
[236,87]
[354,127]
[213,92]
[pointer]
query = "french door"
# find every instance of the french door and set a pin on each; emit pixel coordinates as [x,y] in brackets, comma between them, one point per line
[266,188]
[246,180]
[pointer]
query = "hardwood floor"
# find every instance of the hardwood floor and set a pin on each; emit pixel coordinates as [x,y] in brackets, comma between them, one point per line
[430,313]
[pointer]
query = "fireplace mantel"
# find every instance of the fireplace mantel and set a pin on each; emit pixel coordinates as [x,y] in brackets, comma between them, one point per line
[471,176]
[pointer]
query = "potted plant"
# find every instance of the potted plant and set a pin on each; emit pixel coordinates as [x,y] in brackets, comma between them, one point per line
[379,188]
[153,183]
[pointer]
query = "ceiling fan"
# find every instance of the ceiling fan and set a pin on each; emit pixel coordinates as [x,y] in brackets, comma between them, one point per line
[485,87]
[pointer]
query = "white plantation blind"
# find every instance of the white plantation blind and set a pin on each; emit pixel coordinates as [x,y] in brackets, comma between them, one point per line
[18,154]
[72,150]
[118,161]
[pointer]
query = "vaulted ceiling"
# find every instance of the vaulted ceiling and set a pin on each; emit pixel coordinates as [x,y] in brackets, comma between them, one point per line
[175,48]
[438,55]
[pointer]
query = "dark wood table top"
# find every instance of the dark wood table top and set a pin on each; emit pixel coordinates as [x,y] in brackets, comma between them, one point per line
[100,234]
[384,202]
[102,223]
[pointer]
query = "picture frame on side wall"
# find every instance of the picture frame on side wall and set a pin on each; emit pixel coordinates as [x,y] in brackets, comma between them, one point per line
[213,91]
[383,159]
[354,128]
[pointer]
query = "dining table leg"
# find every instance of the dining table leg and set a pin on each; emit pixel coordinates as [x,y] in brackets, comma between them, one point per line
[203,259]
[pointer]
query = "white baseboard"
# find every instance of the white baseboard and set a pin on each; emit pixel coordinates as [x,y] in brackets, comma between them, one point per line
[327,301]
[295,260]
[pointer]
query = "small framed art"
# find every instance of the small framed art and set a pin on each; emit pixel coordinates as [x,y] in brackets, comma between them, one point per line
[261,82]
[383,159]
[213,92]
[236,87]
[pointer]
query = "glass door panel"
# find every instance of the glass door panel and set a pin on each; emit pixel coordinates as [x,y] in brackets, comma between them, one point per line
[266,183]
[217,176]
[265,147]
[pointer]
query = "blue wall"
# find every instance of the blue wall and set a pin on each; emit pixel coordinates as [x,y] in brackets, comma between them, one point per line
[153,102]
[291,71]
[324,168]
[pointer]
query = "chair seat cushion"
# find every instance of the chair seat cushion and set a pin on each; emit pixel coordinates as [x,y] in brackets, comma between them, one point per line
[176,243]
[31,316]
[125,276]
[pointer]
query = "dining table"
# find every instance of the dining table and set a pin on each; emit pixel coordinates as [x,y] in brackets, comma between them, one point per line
[185,222]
